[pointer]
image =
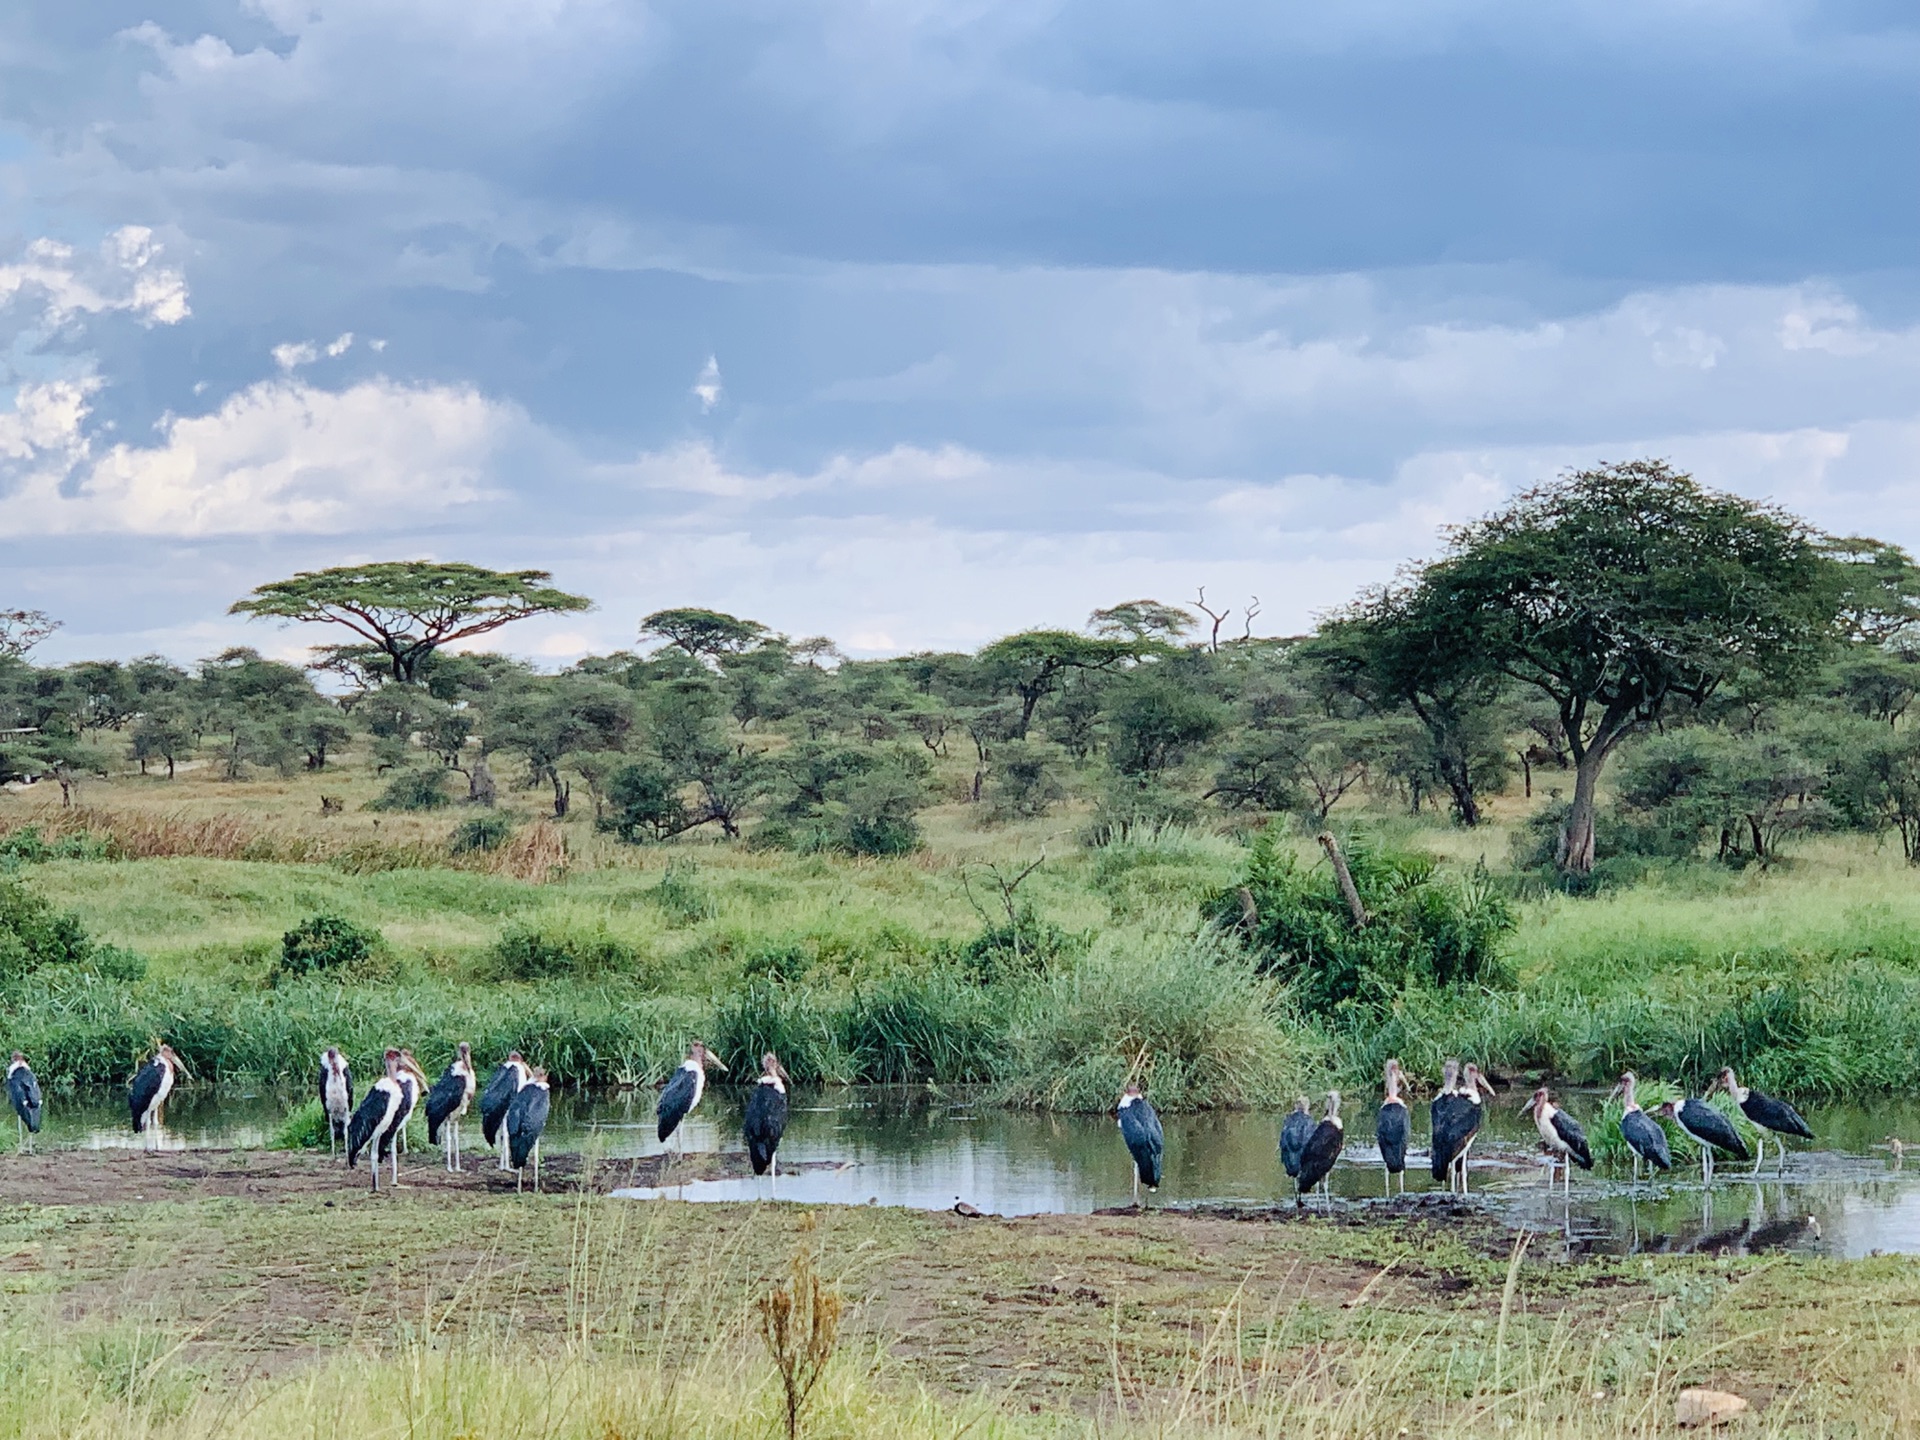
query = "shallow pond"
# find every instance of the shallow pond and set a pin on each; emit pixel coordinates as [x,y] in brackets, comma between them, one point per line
[1843,1196]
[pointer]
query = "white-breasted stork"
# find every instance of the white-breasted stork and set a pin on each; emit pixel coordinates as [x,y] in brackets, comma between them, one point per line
[766,1117]
[1561,1138]
[1323,1148]
[147,1095]
[1767,1113]
[1390,1127]
[684,1090]
[1146,1141]
[526,1122]
[502,1086]
[1295,1131]
[336,1094]
[448,1100]
[1646,1138]
[1708,1129]
[381,1113]
[1455,1124]
[23,1090]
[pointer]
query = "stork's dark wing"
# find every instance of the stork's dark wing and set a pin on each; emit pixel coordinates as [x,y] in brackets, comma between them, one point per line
[1775,1115]
[1146,1142]
[1316,1161]
[370,1117]
[1648,1137]
[495,1099]
[24,1090]
[765,1123]
[1453,1126]
[320,1086]
[442,1100]
[526,1120]
[1390,1130]
[146,1085]
[1295,1131]
[1574,1138]
[1714,1128]
[676,1100]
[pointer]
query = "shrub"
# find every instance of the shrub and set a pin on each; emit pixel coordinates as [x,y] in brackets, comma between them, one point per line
[1027,944]
[1026,781]
[681,897]
[480,833]
[524,953]
[34,934]
[28,846]
[325,943]
[643,803]
[422,788]
[1422,930]
[1131,806]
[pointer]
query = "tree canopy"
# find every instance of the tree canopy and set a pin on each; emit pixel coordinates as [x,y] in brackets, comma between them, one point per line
[703,634]
[407,609]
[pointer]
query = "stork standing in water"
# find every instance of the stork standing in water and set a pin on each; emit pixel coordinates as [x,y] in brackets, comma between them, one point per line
[1444,1117]
[1323,1148]
[526,1122]
[381,1114]
[1455,1124]
[502,1085]
[1561,1137]
[147,1096]
[1390,1128]
[1295,1131]
[684,1090]
[336,1094]
[447,1103]
[1644,1136]
[23,1090]
[766,1118]
[1708,1129]
[1146,1141]
[1765,1112]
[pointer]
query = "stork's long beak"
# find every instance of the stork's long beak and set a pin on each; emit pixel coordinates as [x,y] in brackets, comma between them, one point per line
[1618,1091]
[1712,1085]
[713,1059]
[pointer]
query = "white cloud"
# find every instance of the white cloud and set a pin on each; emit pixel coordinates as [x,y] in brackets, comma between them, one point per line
[280,457]
[123,274]
[707,384]
[340,346]
[292,355]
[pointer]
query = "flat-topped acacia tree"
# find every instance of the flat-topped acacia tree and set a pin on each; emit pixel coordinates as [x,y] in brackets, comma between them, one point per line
[407,609]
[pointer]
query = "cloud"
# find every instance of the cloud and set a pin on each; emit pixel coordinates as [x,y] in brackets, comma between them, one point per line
[122,274]
[292,355]
[707,384]
[279,457]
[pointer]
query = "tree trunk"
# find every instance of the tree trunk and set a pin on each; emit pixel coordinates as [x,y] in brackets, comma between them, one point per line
[1576,841]
[169,767]
[562,795]
[1345,878]
[1526,771]
[480,787]
[1759,844]
[1466,805]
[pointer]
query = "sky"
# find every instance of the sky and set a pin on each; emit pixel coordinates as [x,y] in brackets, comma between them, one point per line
[915,323]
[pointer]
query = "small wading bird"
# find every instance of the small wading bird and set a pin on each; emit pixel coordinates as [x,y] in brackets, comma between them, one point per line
[1708,1129]
[766,1119]
[526,1122]
[381,1114]
[1390,1128]
[1561,1137]
[1323,1148]
[447,1103]
[1645,1137]
[684,1090]
[147,1096]
[1765,1112]
[1146,1142]
[502,1085]
[336,1094]
[1295,1131]
[24,1091]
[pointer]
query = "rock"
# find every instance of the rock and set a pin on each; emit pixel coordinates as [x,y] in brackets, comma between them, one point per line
[1707,1407]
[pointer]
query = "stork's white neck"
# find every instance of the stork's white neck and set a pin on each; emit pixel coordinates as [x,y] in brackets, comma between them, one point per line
[774,1081]
[1126,1100]
[13,1065]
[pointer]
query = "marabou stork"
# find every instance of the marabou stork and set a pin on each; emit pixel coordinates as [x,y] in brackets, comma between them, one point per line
[1390,1128]
[1561,1137]
[1455,1123]
[24,1091]
[336,1093]
[1146,1142]
[1295,1131]
[1644,1135]
[1765,1112]
[1708,1129]
[766,1119]
[505,1081]
[381,1113]
[684,1090]
[147,1096]
[447,1102]
[1323,1148]
[526,1122]
[415,1080]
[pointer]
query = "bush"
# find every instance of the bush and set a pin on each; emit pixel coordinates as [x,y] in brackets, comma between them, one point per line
[326,943]
[1025,945]
[524,953]
[480,834]
[1421,931]
[34,934]
[28,847]
[643,803]
[682,899]
[415,789]
[1130,807]
[1026,781]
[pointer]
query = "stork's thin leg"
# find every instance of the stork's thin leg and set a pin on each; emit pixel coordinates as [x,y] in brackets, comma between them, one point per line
[1136,1188]
[536,1167]
[1759,1151]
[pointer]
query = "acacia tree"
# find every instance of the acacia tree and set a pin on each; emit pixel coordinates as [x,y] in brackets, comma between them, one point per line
[703,634]
[1616,591]
[1033,662]
[407,609]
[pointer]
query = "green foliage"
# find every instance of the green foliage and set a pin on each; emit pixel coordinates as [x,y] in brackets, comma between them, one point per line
[643,803]
[1155,721]
[304,1128]
[34,934]
[524,952]
[681,896]
[480,834]
[1025,945]
[1422,929]
[326,943]
[416,788]
[27,846]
